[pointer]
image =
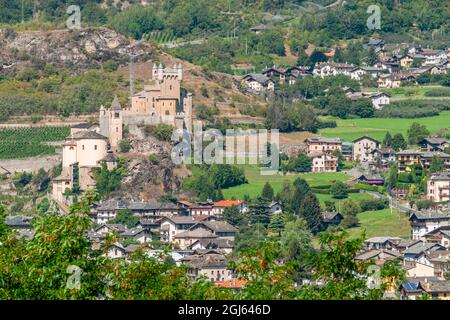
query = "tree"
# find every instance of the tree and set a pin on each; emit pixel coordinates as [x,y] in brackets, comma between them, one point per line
[339,190]
[124,146]
[296,246]
[310,211]
[316,57]
[233,216]
[301,189]
[107,181]
[300,163]
[398,142]
[349,210]
[387,141]
[392,178]
[125,217]
[345,277]
[340,159]
[372,57]
[417,132]
[330,206]
[277,223]
[437,164]
[260,213]
[267,192]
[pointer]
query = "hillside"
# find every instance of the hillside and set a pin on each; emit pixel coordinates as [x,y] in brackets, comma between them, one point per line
[42,66]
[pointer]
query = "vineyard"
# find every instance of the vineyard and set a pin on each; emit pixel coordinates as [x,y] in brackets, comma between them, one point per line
[160,37]
[29,142]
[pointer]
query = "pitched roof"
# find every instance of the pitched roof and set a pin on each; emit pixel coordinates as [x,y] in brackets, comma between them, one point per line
[181,219]
[328,216]
[83,125]
[87,134]
[228,203]
[368,138]
[220,226]
[18,221]
[196,233]
[420,247]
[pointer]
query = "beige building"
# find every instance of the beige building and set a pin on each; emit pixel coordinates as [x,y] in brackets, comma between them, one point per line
[365,148]
[438,187]
[315,145]
[163,100]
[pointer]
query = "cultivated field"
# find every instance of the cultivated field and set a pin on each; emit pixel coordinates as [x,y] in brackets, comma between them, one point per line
[30,142]
[351,129]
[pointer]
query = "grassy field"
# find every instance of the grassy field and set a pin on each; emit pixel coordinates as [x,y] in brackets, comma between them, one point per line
[412,92]
[382,223]
[351,129]
[256,182]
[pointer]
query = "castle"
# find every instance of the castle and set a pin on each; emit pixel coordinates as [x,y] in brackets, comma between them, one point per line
[162,101]
[87,146]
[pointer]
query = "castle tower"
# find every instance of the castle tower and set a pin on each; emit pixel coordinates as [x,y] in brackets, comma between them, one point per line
[115,123]
[104,121]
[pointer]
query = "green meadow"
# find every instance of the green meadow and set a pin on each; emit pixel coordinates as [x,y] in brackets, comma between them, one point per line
[351,129]
[382,223]
[256,182]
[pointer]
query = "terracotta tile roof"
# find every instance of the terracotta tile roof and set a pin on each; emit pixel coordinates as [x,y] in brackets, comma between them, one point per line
[228,203]
[231,284]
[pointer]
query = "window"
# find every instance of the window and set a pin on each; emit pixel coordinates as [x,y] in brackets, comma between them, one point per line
[95,147]
[170,87]
[167,113]
[82,147]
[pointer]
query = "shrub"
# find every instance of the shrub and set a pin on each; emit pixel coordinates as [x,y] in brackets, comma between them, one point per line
[373,204]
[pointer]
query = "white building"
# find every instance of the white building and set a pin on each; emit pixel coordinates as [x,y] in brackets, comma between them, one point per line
[423,222]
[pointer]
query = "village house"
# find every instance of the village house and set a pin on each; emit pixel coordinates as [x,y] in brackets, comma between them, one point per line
[425,221]
[223,244]
[210,263]
[109,228]
[329,69]
[381,243]
[439,235]
[434,144]
[388,81]
[138,234]
[258,83]
[186,238]
[116,251]
[221,229]
[417,253]
[220,206]
[171,226]
[407,158]
[108,209]
[364,149]
[439,290]
[332,218]
[379,257]
[438,187]
[323,162]
[203,208]
[328,145]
